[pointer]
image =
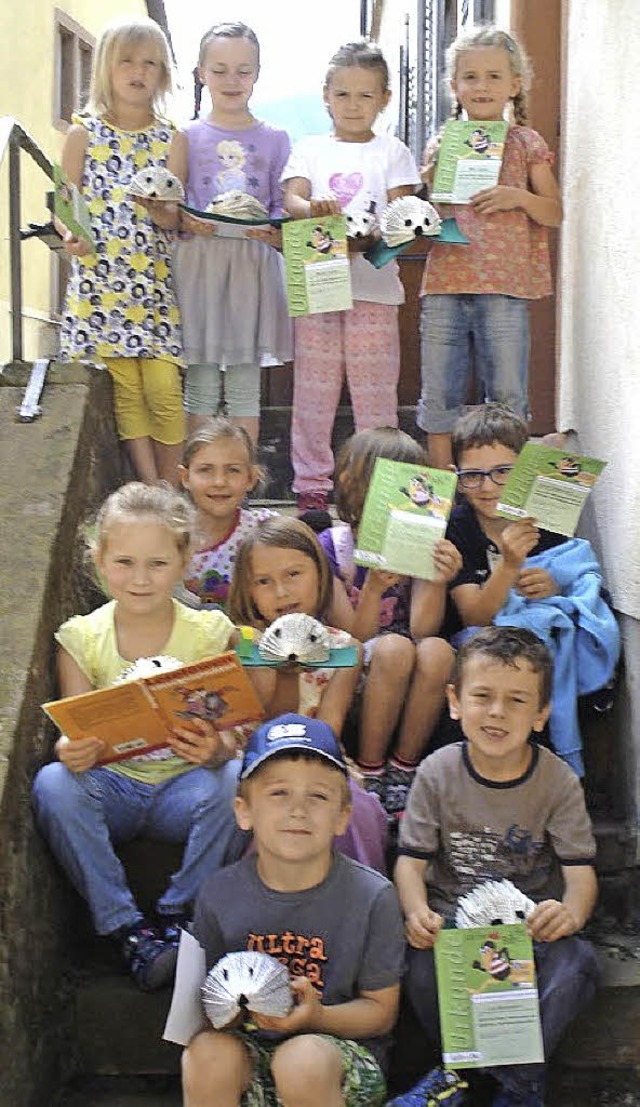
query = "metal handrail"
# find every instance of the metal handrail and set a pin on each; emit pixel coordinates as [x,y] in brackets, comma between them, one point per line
[14,138]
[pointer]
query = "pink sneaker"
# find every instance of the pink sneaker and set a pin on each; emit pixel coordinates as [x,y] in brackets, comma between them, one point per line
[312,501]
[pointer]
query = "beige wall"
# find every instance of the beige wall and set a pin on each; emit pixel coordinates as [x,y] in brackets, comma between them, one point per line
[27,57]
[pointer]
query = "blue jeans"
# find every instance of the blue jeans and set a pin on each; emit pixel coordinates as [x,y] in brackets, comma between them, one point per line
[496,328]
[82,814]
[567,976]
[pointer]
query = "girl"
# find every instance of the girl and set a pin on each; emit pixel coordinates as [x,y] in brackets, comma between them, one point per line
[480,293]
[396,617]
[184,793]
[280,568]
[231,290]
[219,469]
[356,168]
[120,305]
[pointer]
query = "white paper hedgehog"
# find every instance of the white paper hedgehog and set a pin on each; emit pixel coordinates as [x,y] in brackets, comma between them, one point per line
[296,638]
[156,183]
[491,903]
[149,666]
[246,981]
[238,205]
[359,222]
[407,218]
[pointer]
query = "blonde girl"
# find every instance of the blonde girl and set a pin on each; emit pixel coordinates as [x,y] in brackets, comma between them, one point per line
[281,569]
[218,470]
[231,290]
[478,297]
[398,618]
[120,307]
[349,170]
[183,793]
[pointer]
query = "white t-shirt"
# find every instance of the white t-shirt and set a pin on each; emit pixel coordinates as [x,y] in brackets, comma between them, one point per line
[357,173]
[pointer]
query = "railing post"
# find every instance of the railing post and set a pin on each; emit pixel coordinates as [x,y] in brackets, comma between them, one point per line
[14,248]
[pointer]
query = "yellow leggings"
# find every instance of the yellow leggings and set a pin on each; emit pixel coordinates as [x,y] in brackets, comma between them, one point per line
[147,395]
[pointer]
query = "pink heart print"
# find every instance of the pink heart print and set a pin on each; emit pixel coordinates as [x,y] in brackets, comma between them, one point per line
[344,186]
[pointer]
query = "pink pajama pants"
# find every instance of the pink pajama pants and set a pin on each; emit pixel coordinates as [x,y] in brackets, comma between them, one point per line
[362,344]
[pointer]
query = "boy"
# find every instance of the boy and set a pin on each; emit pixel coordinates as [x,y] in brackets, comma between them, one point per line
[497,806]
[333,922]
[508,568]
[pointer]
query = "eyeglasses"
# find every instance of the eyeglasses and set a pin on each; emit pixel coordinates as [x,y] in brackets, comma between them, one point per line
[474,478]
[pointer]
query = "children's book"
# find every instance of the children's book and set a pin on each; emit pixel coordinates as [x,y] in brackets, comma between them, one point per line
[487,995]
[137,716]
[549,485]
[70,207]
[405,513]
[469,159]
[316,259]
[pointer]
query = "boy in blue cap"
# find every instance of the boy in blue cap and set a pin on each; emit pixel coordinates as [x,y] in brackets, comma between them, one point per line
[333,922]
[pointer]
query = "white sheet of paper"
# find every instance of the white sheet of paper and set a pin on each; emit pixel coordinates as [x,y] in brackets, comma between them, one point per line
[186,1016]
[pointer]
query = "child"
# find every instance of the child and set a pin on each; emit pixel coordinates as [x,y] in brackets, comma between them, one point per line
[183,793]
[120,307]
[334,923]
[517,574]
[480,293]
[356,168]
[388,612]
[231,290]
[218,470]
[499,806]
[280,568]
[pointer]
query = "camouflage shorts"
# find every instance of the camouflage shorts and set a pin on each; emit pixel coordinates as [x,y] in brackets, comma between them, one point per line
[363,1084]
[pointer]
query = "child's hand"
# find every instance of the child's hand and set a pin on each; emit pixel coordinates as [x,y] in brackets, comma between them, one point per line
[430,159]
[551,920]
[324,205]
[164,213]
[422,927]
[271,236]
[80,755]
[75,247]
[447,561]
[198,742]
[536,584]
[306,1014]
[499,198]
[379,581]
[517,541]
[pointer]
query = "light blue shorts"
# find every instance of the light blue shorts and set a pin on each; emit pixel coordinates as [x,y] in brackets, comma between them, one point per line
[488,332]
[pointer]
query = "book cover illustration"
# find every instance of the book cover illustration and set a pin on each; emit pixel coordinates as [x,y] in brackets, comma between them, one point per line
[549,485]
[469,159]
[70,208]
[317,269]
[487,996]
[137,716]
[405,513]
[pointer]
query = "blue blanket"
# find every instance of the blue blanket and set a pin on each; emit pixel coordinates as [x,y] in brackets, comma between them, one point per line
[579,629]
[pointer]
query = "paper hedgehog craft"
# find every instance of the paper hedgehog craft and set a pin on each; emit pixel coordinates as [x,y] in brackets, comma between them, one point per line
[360,223]
[246,981]
[296,638]
[238,205]
[492,903]
[406,218]
[148,667]
[156,183]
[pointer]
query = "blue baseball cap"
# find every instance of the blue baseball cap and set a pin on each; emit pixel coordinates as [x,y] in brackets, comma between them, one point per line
[289,734]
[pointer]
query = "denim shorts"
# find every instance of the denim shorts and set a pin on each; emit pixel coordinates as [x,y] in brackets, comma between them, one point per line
[487,331]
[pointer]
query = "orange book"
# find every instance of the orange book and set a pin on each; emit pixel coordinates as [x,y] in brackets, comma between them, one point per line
[138,715]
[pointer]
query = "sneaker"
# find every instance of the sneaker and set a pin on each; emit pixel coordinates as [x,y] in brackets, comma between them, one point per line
[438,1088]
[317,520]
[150,959]
[312,501]
[171,926]
[397,785]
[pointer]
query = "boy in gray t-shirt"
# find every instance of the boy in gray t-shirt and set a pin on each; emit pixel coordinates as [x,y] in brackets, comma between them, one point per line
[497,806]
[335,924]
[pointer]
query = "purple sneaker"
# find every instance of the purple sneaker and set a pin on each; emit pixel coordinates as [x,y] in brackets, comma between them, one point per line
[439,1088]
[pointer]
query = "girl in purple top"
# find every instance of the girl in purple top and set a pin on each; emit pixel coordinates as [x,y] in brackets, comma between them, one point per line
[231,289]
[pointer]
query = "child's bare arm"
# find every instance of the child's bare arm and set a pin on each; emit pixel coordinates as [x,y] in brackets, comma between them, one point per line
[428,597]
[72,162]
[478,604]
[83,753]
[422,925]
[369,1016]
[338,694]
[299,204]
[542,204]
[552,919]
[401,190]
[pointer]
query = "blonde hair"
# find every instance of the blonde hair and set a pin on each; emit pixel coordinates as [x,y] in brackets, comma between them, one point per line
[140,503]
[217,429]
[518,62]
[356,461]
[116,39]
[281,532]
[361,55]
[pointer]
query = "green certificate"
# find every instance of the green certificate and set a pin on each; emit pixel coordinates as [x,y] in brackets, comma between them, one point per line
[316,259]
[469,159]
[487,995]
[405,514]
[549,485]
